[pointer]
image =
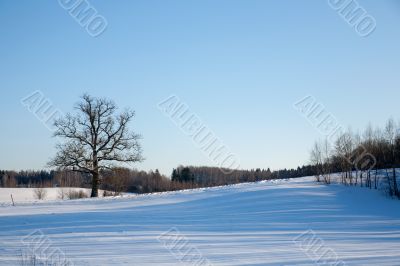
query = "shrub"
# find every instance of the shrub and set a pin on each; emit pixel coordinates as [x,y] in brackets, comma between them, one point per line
[40,193]
[62,194]
[75,194]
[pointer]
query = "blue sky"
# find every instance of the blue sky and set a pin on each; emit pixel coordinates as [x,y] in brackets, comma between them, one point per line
[239,65]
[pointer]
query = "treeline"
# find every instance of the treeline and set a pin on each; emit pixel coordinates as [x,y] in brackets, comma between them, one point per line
[130,180]
[359,157]
[118,179]
[213,176]
[367,159]
[26,178]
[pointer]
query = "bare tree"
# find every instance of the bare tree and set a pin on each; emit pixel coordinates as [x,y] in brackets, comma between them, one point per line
[391,135]
[117,180]
[344,147]
[369,145]
[326,161]
[95,138]
[8,180]
[316,159]
[357,155]
[321,157]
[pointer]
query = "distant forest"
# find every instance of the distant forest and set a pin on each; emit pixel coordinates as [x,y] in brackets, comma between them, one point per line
[358,157]
[130,180]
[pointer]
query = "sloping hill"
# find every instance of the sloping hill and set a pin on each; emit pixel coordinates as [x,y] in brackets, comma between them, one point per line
[286,222]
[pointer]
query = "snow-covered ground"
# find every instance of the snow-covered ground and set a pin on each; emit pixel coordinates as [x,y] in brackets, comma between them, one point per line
[285,222]
[23,195]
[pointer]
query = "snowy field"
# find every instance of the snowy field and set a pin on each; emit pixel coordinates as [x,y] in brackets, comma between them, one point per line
[23,195]
[286,222]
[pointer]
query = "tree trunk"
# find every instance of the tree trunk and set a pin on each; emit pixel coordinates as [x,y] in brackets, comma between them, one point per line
[389,183]
[95,185]
[395,188]
[95,173]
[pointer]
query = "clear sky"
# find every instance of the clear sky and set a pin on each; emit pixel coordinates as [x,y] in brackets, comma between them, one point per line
[238,64]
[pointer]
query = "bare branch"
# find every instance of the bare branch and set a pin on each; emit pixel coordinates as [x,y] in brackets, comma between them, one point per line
[95,137]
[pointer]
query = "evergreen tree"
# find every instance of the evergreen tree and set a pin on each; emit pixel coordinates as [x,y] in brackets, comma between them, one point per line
[175,175]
